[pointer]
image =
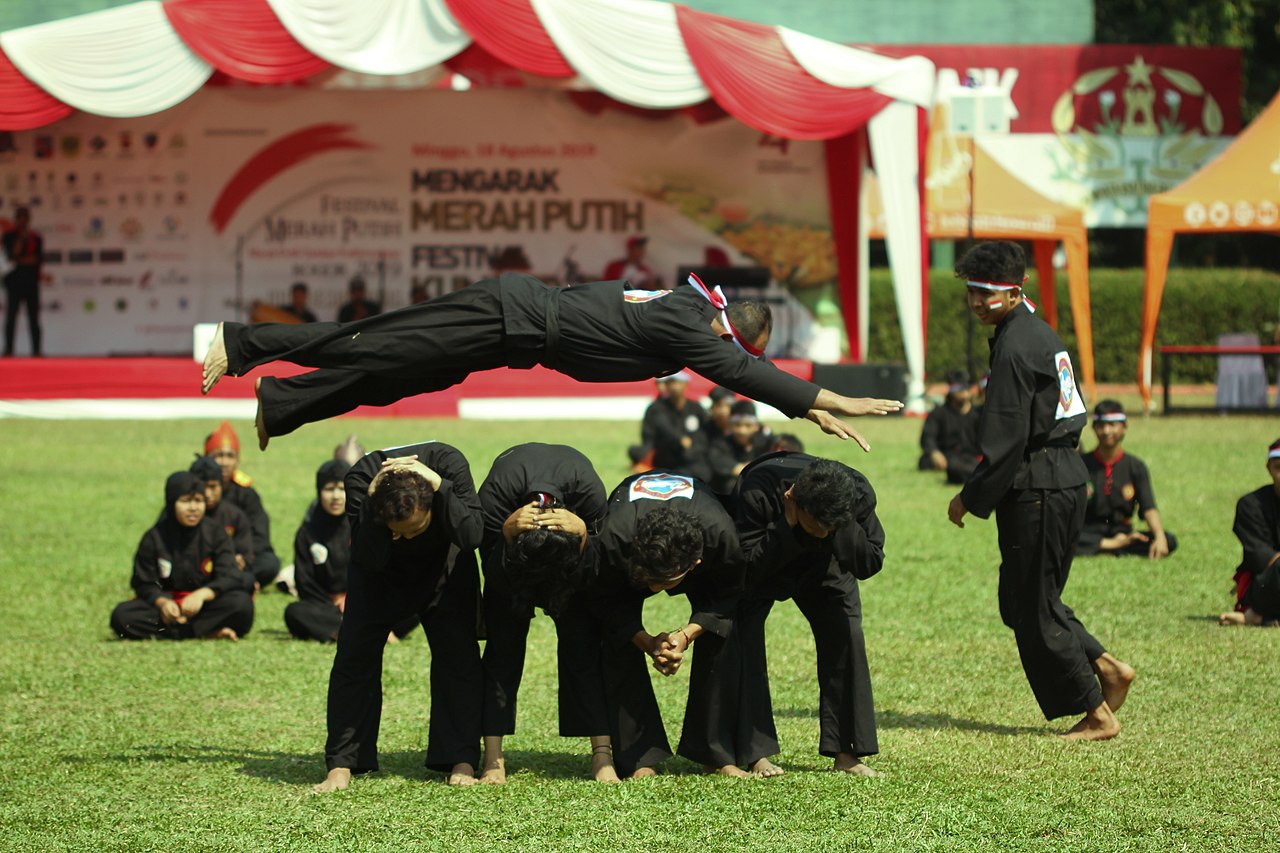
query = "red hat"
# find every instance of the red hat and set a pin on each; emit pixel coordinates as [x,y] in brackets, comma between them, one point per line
[223,436]
[638,240]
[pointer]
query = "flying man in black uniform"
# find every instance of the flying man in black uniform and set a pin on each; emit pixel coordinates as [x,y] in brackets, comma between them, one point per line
[415,524]
[541,501]
[598,332]
[1032,476]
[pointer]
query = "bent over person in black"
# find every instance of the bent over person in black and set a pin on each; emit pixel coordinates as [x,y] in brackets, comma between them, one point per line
[541,501]
[809,533]
[1034,480]
[415,524]
[668,533]
[598,332]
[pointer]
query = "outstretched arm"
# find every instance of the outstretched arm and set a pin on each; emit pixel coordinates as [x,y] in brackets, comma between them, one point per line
[828,404]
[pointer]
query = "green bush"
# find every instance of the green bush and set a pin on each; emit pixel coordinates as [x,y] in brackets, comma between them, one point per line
[1199,305]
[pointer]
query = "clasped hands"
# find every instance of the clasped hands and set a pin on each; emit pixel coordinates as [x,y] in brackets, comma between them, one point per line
[667,650]
[172,613]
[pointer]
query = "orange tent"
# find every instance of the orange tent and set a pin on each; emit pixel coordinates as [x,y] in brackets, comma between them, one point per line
[1004,208]
[1239,190]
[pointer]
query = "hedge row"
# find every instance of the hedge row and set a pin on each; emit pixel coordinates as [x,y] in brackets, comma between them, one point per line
[1199,305]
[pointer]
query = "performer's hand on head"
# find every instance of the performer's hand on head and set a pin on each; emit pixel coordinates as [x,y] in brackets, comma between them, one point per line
[956,511]
[524,518]
[562,519]
[832,425]
[411,463]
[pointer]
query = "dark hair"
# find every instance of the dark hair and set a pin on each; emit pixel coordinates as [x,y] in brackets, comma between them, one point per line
[829,492]
[787,441]
[957,377]
[546,562]
[399,495]
[667,543]
[206,468]
[742,408]
[997,260]
[22,211]
[355,283]
[1108,407]
[298,285]
[751,319]
[720,392]
[179,484]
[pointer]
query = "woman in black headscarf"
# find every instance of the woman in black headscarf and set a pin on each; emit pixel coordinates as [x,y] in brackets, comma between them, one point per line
[185,575]
[321,551]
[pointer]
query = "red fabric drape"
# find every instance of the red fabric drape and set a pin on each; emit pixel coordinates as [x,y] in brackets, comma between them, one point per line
[243,39]
[1047,276]
[844,189]
[750,73]
[512,32]
[23,104]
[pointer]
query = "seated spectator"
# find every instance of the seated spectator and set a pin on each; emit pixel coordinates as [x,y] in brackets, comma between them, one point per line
[672,435]
[226,515]
[721,401]
[949,440]
[321,551]
[237,488]
[1257,526]
[785,441]
[184,575]
[747,440]
[357,306]
[297,306]
[632,268]
[1118,482]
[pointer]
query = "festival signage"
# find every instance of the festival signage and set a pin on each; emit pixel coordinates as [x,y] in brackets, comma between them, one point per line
[152,225]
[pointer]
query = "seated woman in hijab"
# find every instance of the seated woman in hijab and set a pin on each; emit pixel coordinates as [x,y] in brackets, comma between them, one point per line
[185,575]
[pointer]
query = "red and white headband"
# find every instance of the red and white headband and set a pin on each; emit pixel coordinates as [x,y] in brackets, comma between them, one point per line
[987,284]
[717,299]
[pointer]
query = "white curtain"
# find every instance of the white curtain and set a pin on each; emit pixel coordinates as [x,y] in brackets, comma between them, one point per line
[382,37]
[120,62]
[631,50]
[910,79]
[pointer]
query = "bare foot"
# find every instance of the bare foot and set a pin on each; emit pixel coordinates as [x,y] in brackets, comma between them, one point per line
[462,775]
[764,768]
[215,362]
[852,764]
[338,780]
[493,776]
[644,773]
[602,769]
[1098,724]
[224,634]
[493,769]
[1116,677]
[259,423]
[731,770]
[1235,617]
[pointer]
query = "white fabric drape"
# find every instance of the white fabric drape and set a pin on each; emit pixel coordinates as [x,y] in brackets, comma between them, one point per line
[893,135]
[910,79]
[631,50]
[382,37]
[120,62]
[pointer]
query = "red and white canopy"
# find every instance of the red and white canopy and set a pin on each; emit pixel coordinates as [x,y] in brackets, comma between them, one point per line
[145,57]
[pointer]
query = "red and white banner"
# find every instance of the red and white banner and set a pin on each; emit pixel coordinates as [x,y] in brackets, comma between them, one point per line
[154,224]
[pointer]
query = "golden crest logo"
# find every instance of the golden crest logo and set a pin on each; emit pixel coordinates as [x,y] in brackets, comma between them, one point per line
[206,565]
[1132,130]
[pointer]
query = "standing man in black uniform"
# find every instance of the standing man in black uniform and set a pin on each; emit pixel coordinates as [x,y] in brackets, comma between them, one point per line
[662,533]
[540,502]
[1118,484]
[809,532]
[415,524]
[1257,526]
[1032,476]
[598,332]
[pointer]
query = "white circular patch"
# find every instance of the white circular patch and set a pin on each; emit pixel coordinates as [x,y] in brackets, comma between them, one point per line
[319,553]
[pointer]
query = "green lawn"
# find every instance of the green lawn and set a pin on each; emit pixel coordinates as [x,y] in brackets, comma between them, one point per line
[108,745]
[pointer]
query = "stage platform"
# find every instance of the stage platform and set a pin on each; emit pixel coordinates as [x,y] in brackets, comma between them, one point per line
[162,388]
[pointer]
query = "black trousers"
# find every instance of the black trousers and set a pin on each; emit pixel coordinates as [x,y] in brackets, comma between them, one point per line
[313,620]
[1038,529]
[741,730]
[582,704]
[1089,542]
[22,287]
[137,620]
[372,362]
[1263,594]
[445,599]
[265,568]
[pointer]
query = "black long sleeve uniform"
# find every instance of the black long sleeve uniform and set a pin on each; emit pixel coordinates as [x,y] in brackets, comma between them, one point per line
[1115,490]
[321,555]
[567,475]
[1032,476]
[432,575]
[821,576]
[1257,526]
[240,493]
[232,519]
[725,454]
[712,587]
[598,332]
[664,430]
[955,435]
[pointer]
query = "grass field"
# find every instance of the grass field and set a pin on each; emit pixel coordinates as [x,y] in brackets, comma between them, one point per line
[108,745]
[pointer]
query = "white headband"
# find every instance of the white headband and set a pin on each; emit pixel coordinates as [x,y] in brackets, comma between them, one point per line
[1111,418]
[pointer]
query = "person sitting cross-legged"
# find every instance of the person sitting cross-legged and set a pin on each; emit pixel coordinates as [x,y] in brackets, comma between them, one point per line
[1257,526]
